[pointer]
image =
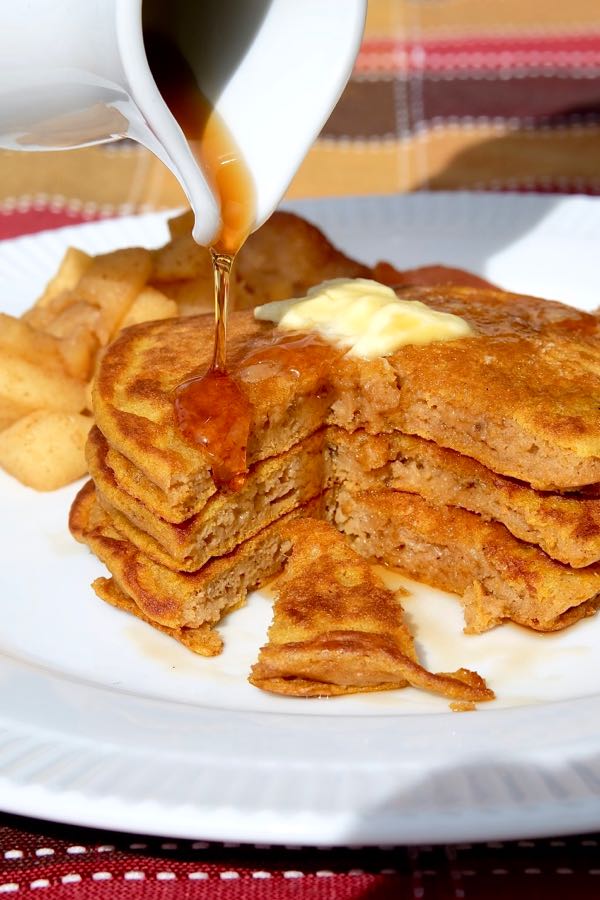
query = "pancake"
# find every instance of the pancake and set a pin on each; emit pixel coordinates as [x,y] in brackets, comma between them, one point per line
[565,526]
[535,410]
[203,640]
[272,488]
[521,396]
[498,577]
[181,502]
[179,600]
[133,398]
[338,630]
[492,422]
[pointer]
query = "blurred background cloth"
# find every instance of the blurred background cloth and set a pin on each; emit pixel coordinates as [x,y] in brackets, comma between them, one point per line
[446,94]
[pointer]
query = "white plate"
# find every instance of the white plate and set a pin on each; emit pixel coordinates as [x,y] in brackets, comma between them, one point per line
[105,722]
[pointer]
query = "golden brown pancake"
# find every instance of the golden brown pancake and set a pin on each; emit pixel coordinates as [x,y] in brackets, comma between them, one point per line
[457,422]
[521,396]
[283,258]
[272,488]
[524,401]
[338,630]
[565,526]
[179,600]
[202,640]
[498,577]
[134,398]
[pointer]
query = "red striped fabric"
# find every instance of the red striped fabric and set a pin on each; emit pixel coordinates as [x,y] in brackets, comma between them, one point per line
[579,51]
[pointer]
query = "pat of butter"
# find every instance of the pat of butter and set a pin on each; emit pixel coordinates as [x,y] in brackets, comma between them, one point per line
[363,316]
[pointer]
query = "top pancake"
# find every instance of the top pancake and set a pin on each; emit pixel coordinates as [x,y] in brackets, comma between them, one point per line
[522,395]
[134,397]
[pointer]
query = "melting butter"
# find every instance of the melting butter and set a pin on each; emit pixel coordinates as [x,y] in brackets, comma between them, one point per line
[363,316]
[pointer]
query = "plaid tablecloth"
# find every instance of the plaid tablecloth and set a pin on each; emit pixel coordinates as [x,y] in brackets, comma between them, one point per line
[475,94]
[80,864]
[446,94]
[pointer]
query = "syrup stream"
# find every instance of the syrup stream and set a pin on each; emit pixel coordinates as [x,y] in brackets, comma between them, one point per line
[212,410]
[221,263]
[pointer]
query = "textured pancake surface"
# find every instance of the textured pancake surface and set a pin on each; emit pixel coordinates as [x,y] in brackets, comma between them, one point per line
[565,526]
[134,398]
[178,599]
[272,488]
[522,395]
[499,577]
[337,629]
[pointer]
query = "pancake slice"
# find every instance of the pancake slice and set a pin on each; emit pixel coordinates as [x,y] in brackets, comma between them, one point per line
[338,630]
[204,640]
[183,499]
[179,600]
[272,488]
[498,577]
[133,397]
[565,526]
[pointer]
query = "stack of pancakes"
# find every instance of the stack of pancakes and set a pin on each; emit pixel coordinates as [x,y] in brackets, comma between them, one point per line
[467,464]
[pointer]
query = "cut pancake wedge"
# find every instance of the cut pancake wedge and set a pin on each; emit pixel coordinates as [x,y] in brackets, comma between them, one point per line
[338,630]
[203,640]
[177,599]
[134,406]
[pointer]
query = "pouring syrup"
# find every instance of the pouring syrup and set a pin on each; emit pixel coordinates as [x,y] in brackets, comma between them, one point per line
[211,407]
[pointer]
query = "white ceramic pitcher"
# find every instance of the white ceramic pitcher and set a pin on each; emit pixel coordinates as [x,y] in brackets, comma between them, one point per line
[74,73]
